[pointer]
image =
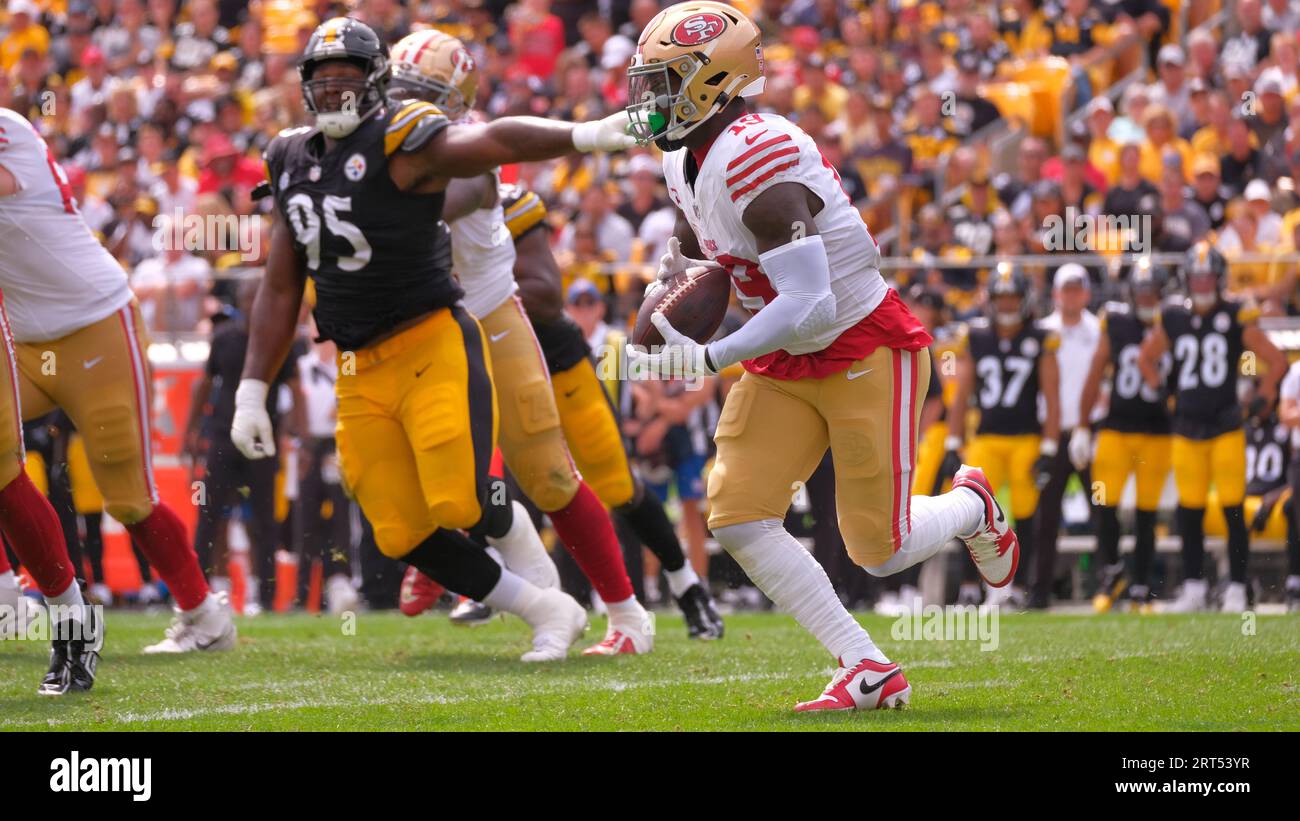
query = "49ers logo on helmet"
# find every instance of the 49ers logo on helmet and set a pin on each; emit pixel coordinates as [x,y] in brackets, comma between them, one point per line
[698,28]
[461,61]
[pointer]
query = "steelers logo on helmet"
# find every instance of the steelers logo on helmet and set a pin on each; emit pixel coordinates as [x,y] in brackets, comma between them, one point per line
[698,28]
[691,61]
[341,101]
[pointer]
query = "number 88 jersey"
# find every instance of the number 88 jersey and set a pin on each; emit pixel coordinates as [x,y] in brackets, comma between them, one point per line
[1006,376]
[1206,351]
[1134,407]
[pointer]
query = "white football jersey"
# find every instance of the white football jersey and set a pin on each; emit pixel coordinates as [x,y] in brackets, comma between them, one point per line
[754,153]
[56,276]
[483,257]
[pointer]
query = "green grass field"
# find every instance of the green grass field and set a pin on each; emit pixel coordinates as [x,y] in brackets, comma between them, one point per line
[298,672]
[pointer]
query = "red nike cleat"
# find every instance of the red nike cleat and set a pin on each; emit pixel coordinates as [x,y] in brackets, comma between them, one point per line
[994,547]
[418,593]
[868,685]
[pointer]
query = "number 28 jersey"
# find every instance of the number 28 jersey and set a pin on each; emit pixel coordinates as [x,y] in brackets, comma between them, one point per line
[1007,376]
[1206,351]
[753,154]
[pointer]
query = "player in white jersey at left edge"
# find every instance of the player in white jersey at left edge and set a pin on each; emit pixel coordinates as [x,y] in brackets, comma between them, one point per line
[832,357]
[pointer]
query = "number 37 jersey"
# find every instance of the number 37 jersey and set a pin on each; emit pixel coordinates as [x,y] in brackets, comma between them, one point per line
[1007,376]
[1207,351]
[754,153]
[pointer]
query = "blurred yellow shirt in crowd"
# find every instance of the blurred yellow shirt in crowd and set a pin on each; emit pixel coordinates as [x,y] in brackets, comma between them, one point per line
[13,45]
[1151,162]
[831,102]
[1104,154]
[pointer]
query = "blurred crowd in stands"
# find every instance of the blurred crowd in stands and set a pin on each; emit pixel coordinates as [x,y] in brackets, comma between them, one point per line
[959,128]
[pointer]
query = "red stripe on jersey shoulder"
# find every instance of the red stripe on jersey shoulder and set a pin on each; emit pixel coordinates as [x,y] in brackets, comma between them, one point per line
[762,178]
[760,162]
[766,144]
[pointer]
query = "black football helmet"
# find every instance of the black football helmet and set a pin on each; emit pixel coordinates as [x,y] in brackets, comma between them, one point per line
[1203,261]
[1007,279]
[344,38]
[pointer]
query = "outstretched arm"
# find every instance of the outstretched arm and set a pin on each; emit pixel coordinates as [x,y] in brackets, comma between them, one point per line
[470,149]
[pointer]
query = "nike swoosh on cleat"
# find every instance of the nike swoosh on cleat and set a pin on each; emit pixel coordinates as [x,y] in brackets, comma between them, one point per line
[866,691]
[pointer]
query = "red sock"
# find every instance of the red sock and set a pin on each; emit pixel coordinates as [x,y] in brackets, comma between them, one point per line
[4,560]
[164,542]
[32,528]
[584,527]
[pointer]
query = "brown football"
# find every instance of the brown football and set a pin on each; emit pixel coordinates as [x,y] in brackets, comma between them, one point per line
[694,303]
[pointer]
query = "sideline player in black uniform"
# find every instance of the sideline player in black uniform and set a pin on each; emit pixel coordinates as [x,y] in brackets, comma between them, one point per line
[1207,334]
[1007,365]
[1132,439]
[359,199]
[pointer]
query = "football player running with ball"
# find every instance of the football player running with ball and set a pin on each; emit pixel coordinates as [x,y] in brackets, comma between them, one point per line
[359,200]
[1207,333]
[832,357]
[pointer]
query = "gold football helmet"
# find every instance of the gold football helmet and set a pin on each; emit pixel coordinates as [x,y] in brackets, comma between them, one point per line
[436,67]
[692,59]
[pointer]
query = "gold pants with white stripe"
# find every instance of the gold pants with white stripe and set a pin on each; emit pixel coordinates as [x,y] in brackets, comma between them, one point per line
[99,376]
[772,434]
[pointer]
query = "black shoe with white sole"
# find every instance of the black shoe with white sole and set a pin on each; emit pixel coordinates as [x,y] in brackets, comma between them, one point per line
[702,619]
[469,613]
[74,655]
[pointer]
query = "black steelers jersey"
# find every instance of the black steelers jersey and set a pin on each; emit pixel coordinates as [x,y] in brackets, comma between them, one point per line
[1006,376]
[1268,455]
[1135,407]
[367,245]
[1206,350]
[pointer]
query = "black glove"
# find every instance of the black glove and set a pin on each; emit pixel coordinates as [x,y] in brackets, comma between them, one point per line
[1043,470]
[1266,505]
[949,467]
[1258,408]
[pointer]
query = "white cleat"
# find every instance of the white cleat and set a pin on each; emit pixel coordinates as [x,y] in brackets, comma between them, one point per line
[993,547]
[340,595]
[1191,599]
[557,623]
[1234,598]
[627,634]
[206,627]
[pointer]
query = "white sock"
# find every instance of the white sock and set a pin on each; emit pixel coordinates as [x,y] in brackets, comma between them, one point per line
[8,581]
[523,551]
[628,611]
[936,520]
[1293,582]
[681,579]
[253,591]
[220,584]
[789,575]
[515,594]
[69,600]
[651,585]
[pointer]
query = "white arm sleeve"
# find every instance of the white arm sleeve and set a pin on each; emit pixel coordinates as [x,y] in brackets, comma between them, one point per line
[804,307]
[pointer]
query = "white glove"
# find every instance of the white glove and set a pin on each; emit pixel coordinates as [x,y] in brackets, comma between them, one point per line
[679,357]
[1081,447]
[607,134]
[251,428]
[672,264]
